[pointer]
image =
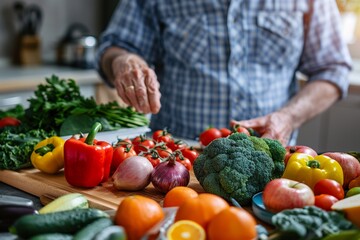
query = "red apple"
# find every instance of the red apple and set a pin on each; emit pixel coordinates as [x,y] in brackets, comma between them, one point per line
[298,149]
[349,164]
[281,193]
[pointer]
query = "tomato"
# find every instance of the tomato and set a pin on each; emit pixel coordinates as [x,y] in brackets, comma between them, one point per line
[153,157]
[120,154]
[225,132]
[209,135]
[176,144]
[330,187]
[325,201]
[163,151]
[190,153]
[141,143]
[162,136]
[240,129]
[9,121]
[184,161]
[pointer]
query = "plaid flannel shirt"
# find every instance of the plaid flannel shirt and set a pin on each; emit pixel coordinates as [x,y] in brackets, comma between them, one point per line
[218,60]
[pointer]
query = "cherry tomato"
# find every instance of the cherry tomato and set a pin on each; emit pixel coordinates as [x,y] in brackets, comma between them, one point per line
[162,136]
[176,144]
[141,143]
[225,132]
[163,151]
[120,154]
[330,187]
[209,135]
[153,157]
[240,129]
[9,121]
[325,201]
[190,153]
[184,161]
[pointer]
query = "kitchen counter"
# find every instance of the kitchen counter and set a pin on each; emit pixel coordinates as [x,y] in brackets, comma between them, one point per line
[27,78]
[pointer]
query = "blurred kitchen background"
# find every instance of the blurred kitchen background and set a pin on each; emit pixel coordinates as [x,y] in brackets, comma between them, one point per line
[39,38]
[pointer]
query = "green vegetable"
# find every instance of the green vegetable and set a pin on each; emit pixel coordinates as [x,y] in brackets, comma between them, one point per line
[68,222]
[52,236]
[235,167]
[306,223]
[90,230]
[66,202]
[17,112]
[16,148]
[111,233]
[342,235]
[60,99]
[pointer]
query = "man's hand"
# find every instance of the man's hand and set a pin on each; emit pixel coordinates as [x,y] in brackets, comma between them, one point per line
[136,83]
[276,125]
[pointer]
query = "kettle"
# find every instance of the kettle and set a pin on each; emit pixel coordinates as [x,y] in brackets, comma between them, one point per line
[77,48]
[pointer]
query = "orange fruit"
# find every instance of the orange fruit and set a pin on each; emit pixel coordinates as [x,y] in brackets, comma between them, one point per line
[232,224]
[186,230]
[137,214]
[177,195]
[201,209]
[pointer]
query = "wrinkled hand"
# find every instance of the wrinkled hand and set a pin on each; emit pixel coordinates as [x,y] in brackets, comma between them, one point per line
[277,125]
[136,83]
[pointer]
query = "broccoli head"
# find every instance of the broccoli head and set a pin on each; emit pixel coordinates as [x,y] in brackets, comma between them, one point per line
[236,167]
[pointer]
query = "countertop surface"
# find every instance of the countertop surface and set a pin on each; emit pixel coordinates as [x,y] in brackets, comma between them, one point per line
[27,78]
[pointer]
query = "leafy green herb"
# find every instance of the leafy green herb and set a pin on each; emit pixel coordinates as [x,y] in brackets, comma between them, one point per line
[17,112]
[58,101]
[308,223]
[16,148]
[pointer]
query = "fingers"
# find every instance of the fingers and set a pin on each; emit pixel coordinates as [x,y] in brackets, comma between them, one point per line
[139,88]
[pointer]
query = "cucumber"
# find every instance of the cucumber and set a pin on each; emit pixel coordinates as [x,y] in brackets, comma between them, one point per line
[52,236]
[111,233]
[68,222]
[90,230]
[66,202]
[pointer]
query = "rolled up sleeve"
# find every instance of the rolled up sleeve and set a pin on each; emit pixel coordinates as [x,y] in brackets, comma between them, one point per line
[326,56]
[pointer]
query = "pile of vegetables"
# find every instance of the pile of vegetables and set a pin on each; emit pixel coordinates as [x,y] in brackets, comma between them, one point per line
[57,109]
[239,166]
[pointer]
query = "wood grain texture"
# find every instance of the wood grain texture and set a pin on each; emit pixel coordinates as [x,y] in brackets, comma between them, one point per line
[49,187]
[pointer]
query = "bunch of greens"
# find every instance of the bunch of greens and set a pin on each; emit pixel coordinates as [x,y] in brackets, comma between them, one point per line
[59,106]
[16,148]
[308,223]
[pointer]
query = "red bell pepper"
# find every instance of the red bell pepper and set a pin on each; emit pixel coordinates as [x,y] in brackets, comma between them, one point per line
[87,161]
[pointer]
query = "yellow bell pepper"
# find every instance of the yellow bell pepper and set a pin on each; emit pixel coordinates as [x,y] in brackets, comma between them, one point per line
[48,155]
[309,170]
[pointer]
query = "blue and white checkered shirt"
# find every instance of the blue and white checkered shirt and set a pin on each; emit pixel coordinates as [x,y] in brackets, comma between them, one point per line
[218,60]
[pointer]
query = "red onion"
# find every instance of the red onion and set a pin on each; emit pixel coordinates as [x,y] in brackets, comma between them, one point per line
[169,174]
[133,174]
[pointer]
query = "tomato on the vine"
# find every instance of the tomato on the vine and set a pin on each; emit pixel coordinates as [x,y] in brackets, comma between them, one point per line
[325,201]
[330,187]
[225,132]
[141,143]
[162,136]
[190,153]
[240,129]
[153,157]
[184,161]
[209,135]
[176,144]
[120,153]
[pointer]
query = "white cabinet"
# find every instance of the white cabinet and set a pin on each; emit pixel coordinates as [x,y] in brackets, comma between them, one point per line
[337,129]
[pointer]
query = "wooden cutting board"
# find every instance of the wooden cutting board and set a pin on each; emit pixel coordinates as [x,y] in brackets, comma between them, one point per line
[52,186]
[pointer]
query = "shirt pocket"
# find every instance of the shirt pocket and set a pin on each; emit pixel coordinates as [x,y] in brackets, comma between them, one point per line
[279,38]
[185,39]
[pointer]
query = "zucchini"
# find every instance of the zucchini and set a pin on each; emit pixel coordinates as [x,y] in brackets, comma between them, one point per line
[66,202]
[68,222]
[90,230]
[52,236]
[111,233]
